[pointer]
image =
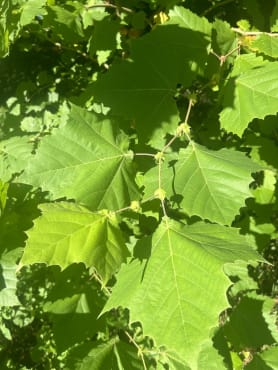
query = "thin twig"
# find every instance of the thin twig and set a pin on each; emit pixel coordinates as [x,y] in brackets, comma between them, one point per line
[254,33]
[145,154]
[123,8]
[222,58]
[140,352]
[190,104]
[98,279]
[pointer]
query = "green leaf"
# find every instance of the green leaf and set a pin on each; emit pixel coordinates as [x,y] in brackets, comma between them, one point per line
[241,331]
[267,360]
[30,9]
[104,35]
[266,44]
[210,184]
[66,24]
[274,18]
[239,274]
[249,94]
[74,319]
[113,355]
[67,233]
[15,152]
[8,279]
[256,12]
[265,193]
[172,293]
[142,88]
[88,160]
[4,32]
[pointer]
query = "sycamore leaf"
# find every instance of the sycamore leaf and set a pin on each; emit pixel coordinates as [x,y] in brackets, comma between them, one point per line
[143,87]
[267,45]
[67,24]
[68,233]
[88,160]
[15,152]
[5,11]
[249,94]
[240,329]
[172,294]
[74,319]
[210,184]
[113,355]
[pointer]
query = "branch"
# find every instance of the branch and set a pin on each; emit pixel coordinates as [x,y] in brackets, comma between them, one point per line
[123,8]
[254,33]
[140,352]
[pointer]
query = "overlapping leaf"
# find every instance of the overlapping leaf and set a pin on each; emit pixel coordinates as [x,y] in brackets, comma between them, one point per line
[142,88]
[68,233]
[173,293]
[113,354]
[249,94]
[88,160]
[207,183]
[266,44]
[268,360]
[241,331]
[15,153]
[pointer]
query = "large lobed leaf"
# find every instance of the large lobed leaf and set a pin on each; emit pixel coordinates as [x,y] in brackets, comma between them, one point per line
[88,160]
[67,233]
[250,93]
[173,293]
[207,183]
[143,87]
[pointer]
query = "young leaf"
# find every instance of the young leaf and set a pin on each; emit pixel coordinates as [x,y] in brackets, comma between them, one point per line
[172,293]
[88,160]
[68,233]
[249,94]
[210,184]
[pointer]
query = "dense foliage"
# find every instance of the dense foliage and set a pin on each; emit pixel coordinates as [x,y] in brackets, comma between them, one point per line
[138,178]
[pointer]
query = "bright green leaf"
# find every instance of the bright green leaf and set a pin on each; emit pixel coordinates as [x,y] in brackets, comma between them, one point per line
[249,94]
[30,9]
[113,355]
[88,160]
[16,152]
[8,282]
[172,293]
[267,45]
[210,184]
[67,233]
